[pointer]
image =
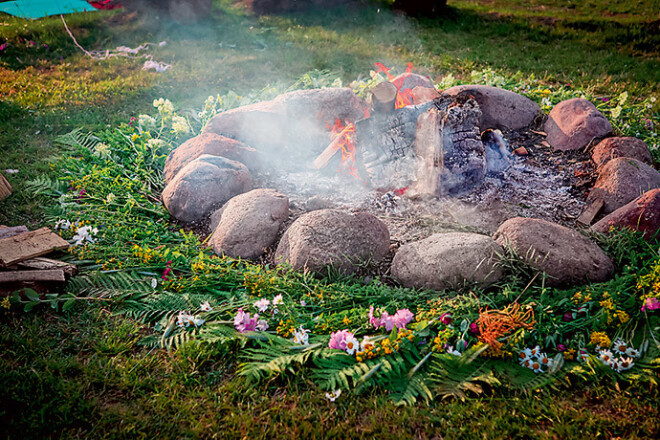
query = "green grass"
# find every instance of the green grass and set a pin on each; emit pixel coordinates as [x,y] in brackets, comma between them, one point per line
[82,374]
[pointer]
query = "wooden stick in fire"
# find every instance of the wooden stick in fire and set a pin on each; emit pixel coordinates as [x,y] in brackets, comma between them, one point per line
[322,160]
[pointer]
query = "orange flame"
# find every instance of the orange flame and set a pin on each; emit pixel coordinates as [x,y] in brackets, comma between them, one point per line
[342,136]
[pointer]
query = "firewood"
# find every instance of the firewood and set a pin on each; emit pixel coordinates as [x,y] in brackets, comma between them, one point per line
[41,263]
[29,245]
[383,97]
[322,160]
[6,231]
[5,188]
[590,212]
[32,275]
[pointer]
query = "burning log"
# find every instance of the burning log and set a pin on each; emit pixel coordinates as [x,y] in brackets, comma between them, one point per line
[336,145]
[383,97]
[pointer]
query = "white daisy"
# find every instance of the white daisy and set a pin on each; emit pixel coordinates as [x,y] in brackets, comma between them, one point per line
[631,352]
[544,360]
[154,283]
[301,336]
[624,364]
[606,357]
[620,346]
[535,351]
[352,344]
[536,367]
[451,350]
[525,355]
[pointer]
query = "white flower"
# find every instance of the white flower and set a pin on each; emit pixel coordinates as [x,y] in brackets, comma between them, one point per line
[624,364]
[631,352]
[616,111]
[544,360]
[303,302]
[546,102]
[110,198]
[198,321]
[352,344]
[155,143]
[102,150]
[146,122]
[606,357]
[525,355]
[11,171]
[652,99]
[623,97]
[206,307]
[154,283]
[527,363]
[164,105]
[334,395]
[63,224]
[262,325]
[83,234]
[534,351]
[301,336]
[451,350]
[278,300]
[262,305]
[185,320]
[180,125]
[536,367]
[620,346]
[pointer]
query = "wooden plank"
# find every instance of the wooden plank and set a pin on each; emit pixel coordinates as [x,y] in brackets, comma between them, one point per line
[30,245]
[8,231]
[590,212]
[41,263]
[17,276]
[5,188]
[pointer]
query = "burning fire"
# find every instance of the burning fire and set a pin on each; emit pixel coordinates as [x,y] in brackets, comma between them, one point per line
[341,134]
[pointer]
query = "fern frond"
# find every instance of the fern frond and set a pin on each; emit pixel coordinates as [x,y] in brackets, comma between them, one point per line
[44,185]
[272,360]
[78,138]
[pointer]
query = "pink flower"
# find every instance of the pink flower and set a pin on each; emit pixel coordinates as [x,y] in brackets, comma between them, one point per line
[400,319]
[244,323]
[604,99]
[3,46]
[338,339]
[446,318]
[167,271]
[474,328]
[561,348]
[568,317]
[651,304]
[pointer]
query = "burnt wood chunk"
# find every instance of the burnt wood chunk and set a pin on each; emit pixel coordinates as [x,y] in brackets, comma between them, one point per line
[591,211]
[29,245]
[41,263]
[383,97]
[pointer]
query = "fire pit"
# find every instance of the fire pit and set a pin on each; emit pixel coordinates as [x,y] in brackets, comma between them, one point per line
[412,162]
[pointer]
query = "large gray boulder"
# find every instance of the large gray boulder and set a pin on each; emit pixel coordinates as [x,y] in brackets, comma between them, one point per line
[567,256]
[614,147]
[250,224]
[622,180]
[449,260]
[499,108]
[292,127]
[208,143]
[203,185]
[329,237]
[573,123]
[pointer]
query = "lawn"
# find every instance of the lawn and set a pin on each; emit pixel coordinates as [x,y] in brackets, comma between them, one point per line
[98,369]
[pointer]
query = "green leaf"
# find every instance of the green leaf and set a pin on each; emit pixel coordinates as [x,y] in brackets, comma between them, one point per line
[29,306]
[68,304]
[32,295]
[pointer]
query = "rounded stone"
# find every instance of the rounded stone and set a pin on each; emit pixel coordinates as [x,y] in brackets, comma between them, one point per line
[250,223]
[622,180]
[642,214]
[208,143]
[573,123]
[499,108]
[328,237]
[448,260]
[614,147]
[565,255]
[203,185]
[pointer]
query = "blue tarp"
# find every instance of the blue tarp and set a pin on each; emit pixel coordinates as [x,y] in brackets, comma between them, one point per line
[43,8]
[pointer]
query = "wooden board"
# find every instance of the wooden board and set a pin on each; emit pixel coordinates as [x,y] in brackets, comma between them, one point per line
[30,245]
[590,212]
[17,276]
[41,263]
[7,231]
[5,188]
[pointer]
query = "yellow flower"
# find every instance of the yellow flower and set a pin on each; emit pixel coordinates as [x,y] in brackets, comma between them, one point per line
[601,339]
[135,137]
